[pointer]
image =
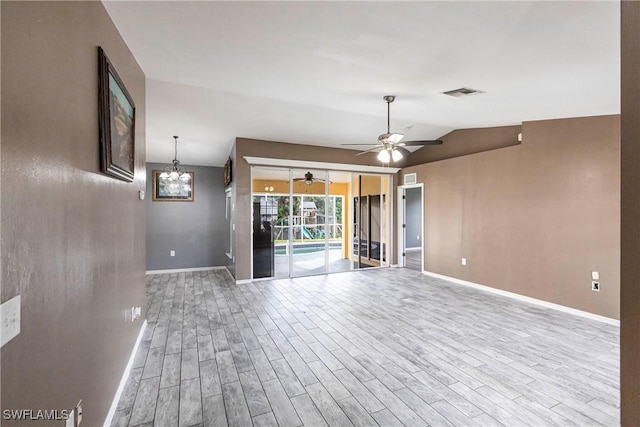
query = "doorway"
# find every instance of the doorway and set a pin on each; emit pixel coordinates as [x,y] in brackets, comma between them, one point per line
[411,227]
[310,221]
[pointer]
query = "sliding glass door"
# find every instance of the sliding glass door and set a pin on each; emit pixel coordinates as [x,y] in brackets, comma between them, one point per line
[309,240]
[309,222]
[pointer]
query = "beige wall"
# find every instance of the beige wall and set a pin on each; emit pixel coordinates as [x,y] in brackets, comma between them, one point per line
[630,224]
[534,219]
[462,142]
[73,241]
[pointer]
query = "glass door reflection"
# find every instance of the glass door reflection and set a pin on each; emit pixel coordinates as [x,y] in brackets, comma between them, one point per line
[369,219]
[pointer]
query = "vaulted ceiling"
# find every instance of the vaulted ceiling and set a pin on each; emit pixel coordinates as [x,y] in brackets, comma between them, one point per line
[315,72]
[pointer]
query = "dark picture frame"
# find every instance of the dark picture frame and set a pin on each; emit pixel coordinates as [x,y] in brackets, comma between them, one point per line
[116,117]
[161,191]
[227,172]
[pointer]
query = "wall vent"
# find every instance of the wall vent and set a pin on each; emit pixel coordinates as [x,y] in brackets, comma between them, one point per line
[410,178]
[463,91]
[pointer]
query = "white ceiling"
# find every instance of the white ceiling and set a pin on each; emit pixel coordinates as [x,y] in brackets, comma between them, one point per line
[315,72]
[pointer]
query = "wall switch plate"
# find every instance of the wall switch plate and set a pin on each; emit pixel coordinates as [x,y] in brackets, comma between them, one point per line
[78,411]
[141,194]
[172,253]
[464,261]
[595,286]
[595,275]
[71,420]
[10,318]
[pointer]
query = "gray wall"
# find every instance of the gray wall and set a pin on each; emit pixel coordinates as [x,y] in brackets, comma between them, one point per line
[73,239]
[195,230]
[413,217]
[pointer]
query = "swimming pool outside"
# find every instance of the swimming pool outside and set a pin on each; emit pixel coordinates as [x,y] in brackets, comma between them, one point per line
[306,248]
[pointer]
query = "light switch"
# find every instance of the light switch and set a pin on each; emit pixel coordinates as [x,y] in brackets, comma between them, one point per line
[172,253]
[141,194]
[71,421]
[595,275]
[10,316]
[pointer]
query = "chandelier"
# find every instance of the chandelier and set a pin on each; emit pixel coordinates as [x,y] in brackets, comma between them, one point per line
[176,177]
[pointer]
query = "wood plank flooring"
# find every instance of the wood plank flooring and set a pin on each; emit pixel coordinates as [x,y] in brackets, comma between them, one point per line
[384,347]
[413,259]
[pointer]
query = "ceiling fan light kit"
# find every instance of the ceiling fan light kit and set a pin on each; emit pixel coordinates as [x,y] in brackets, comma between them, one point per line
[384,156]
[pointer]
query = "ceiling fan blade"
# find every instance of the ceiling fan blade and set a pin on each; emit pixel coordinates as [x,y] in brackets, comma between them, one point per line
[359,144]
[394,138]
[371,150]
[427,142]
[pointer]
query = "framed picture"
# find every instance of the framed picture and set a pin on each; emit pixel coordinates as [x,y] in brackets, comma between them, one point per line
[117,114]
[166,190]
[227,172]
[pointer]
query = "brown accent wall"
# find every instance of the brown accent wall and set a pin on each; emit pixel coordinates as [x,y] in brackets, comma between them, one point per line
[242,184]
[73,241]
[534,219]
[630,220]
[462,142]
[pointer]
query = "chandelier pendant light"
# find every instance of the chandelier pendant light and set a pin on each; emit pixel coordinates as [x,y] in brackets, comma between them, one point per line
[176,176]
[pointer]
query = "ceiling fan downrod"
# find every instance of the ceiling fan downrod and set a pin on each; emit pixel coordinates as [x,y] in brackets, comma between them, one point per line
[389,99]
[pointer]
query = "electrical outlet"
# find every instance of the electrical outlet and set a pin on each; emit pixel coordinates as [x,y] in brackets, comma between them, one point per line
[135,313]
[10,319]
[595,286]
[172,253]
[464,261]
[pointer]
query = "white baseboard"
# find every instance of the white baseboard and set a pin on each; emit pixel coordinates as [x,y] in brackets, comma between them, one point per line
[229,273]
[527,299]
[125,376]
[243,281]
[185,270]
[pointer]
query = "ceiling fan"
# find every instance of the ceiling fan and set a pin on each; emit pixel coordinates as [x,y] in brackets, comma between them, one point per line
[308,179]
[390,145]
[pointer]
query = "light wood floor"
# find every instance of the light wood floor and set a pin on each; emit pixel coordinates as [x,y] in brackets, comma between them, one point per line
[378,347]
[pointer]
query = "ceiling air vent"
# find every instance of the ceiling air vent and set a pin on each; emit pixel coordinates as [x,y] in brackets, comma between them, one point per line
[463,91]
[410,178]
